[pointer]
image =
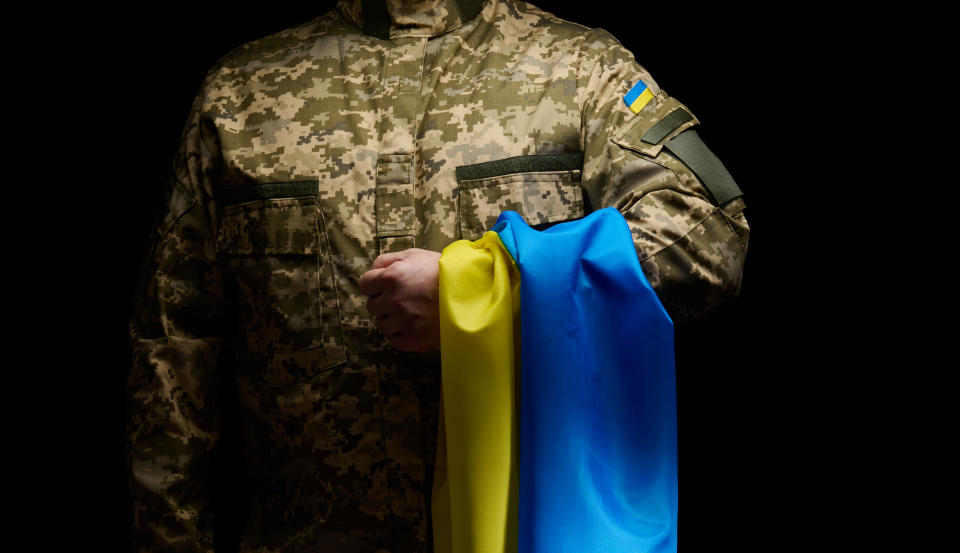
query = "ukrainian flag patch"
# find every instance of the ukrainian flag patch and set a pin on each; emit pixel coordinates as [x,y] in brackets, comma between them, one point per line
[638,97]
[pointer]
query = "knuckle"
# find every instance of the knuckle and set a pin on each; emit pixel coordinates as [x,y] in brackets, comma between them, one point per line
[390,277]
[396,270]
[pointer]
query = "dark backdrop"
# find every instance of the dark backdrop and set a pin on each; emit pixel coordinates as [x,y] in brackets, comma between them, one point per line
[814,412]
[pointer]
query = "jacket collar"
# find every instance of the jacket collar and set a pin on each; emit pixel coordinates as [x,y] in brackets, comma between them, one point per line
[388,19]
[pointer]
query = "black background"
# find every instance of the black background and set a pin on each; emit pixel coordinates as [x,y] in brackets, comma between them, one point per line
[817,411]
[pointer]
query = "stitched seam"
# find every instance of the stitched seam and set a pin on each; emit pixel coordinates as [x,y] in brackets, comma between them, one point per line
[285,189]
[736,235]
[691,229]
[547,176]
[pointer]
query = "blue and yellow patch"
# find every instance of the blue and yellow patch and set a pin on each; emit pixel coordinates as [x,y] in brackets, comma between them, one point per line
[637,97]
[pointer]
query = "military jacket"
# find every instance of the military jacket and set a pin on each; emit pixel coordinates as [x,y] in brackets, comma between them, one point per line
[311,151]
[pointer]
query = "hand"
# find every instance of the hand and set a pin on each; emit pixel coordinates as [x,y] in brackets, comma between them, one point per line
[403,296]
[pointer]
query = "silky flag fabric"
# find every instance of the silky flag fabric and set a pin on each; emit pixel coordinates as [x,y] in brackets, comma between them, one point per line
[596,466]
[475,495]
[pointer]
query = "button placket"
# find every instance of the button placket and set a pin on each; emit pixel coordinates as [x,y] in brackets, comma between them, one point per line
[396,229]
[396,174]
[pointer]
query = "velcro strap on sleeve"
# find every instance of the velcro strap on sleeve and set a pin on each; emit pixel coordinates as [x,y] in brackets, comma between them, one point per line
[666,125]
[690,149]
[663,117]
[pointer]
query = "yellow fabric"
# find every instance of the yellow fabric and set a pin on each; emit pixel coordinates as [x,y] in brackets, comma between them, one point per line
[641,101]
[475,487]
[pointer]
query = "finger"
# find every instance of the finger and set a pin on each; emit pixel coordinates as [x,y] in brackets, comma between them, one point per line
[390,324]
[387,259]
[370,283]
[377,305]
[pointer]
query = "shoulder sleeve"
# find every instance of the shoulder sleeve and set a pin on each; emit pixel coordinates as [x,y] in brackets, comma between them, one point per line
[643,156]
[172,422]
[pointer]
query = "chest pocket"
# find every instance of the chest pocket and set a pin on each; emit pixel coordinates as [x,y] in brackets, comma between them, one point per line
[544,189]
[277,252]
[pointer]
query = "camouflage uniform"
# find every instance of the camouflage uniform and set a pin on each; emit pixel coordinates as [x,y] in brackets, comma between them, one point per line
[308,153]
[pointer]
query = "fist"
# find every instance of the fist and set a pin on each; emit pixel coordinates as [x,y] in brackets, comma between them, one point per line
[401,290]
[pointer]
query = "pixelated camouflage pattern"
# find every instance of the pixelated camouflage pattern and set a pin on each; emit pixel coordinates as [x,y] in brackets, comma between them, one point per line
[543,197]
[248,277]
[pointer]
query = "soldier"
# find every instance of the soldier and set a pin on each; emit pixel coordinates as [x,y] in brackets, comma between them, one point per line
[321,171]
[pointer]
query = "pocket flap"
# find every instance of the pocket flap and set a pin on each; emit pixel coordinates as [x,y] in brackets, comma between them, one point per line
[270,227]
[542,188]
[543,163]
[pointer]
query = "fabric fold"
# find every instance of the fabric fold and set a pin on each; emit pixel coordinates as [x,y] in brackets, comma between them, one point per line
[475,510]
[590,447]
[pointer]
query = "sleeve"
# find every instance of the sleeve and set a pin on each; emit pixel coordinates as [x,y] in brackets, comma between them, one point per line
[684,210]
[173,421]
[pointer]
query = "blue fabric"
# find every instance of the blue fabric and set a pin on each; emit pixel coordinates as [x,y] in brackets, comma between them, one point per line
[634,92]
[598,422]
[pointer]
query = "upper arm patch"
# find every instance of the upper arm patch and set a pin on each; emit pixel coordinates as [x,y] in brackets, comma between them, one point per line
[667,125]
[638,96]
[661,119]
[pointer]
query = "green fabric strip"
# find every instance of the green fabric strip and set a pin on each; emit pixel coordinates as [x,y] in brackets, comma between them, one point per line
[690,149]
[270,190]
[468,9]
[376,18]
[521,164]
[666,126]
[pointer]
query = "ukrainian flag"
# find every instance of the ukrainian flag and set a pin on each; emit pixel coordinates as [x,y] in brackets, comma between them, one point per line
[637,97]
[566,441]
